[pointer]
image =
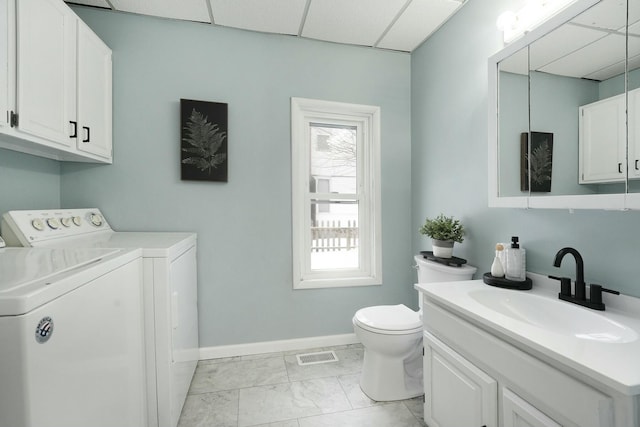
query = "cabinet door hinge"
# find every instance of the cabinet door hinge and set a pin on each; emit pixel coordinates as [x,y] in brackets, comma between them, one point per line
[13,119]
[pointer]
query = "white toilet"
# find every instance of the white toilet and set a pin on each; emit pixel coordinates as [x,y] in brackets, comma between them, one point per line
[392,339]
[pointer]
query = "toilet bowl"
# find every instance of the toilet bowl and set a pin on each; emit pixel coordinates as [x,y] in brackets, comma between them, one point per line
[392,339]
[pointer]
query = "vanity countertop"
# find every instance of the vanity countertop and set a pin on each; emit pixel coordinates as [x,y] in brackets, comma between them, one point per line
[604,345]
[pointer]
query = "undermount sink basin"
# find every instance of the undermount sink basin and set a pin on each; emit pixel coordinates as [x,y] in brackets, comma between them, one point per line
[554,315]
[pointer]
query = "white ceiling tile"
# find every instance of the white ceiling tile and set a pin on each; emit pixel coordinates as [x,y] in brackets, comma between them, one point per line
[271,16]
[561,42]
[97,3]
[608,14]
[189,10]
[609,50]
[518,63]
[419,20]
[359,22]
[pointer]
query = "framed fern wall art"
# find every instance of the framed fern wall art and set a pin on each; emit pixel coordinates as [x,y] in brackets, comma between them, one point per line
[536,161]
[203,140]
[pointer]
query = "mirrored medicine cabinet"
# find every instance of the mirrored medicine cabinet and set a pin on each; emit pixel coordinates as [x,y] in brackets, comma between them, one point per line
[564,111]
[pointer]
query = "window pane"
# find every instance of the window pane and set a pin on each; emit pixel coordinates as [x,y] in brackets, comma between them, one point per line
[334,234]
[333,159]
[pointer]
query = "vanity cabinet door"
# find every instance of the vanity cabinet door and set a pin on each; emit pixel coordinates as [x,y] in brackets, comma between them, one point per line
[602,141]
[457,393]
[46,77]
[94,94]
[516,412]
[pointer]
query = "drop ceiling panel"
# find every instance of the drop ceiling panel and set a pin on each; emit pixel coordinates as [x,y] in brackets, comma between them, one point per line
[359,22]
[271,16]
[419,20]
[608,14]
[189,10]
[563,41]
[609,50]
[97,3]
[516,63]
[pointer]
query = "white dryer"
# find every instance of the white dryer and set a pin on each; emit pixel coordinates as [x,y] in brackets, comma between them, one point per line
[170,293]
[71,338]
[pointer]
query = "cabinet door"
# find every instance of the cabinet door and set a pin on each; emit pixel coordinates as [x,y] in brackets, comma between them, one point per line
[46,69]
[4,62]
[634,134]
[516,412]
[457,393]
[603,141]
[94,94]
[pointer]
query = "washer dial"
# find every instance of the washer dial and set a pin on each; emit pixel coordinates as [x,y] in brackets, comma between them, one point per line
[67,221]
[77,220]
[96,219]
[38,224]
[53,223]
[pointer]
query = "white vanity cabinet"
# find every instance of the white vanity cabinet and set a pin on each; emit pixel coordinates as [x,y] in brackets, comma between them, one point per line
[456,392]
[59,103]
[517,412]
[602,141]
[475,378]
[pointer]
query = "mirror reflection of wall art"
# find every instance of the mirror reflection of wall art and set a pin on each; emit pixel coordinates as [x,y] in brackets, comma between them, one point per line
[203,140]
[541,161]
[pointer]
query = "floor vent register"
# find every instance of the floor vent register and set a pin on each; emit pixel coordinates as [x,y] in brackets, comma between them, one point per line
[316,358]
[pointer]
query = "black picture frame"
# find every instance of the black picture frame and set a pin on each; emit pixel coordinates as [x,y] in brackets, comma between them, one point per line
[541,161]
[203,141]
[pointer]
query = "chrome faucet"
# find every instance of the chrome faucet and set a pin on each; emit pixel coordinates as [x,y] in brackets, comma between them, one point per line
[579,297]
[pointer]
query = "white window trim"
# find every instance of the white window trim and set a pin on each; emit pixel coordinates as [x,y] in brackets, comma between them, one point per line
[367,119]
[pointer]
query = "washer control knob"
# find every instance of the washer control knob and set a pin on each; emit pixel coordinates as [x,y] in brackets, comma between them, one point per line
[53,223]
[96,219]
[67,221]
[37,224]
[77,220]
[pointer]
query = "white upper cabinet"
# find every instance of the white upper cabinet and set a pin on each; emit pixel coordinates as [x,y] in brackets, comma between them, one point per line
[61,105]
[46,69]
[634,134]
[93,94]
[6,32]
[603,141]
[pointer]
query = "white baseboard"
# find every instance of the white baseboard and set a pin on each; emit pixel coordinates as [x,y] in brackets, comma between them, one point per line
[275,346]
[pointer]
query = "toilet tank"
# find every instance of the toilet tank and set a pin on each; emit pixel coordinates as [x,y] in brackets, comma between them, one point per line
[431,271]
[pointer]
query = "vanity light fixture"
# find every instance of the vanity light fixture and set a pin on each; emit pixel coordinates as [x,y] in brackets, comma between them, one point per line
[534,12]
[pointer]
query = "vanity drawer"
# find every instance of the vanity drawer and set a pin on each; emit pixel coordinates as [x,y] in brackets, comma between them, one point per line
[558,395]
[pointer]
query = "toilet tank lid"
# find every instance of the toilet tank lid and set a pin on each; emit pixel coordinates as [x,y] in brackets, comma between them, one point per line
[389,317]
[463,270]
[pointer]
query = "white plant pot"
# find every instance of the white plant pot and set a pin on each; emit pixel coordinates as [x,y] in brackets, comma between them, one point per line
[442,248]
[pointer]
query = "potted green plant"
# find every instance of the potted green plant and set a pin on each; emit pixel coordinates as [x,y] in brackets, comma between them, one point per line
[444,232]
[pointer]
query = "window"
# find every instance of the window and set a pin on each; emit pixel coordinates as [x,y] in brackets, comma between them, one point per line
[335,194]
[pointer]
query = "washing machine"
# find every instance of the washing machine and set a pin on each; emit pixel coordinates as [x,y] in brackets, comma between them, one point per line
[169,293]
[71,338]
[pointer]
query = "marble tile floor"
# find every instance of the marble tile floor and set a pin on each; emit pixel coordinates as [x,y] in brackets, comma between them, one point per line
[273,390]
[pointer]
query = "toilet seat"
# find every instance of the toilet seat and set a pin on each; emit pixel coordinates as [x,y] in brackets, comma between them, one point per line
[389,319]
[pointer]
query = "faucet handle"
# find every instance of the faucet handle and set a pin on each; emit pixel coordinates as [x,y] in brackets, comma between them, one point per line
[595,293]
[565,285]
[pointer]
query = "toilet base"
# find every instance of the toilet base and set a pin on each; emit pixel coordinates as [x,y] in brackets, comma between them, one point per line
[386,379]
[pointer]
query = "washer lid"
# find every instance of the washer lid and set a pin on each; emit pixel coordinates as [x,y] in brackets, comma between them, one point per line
[389,317]
[29,276]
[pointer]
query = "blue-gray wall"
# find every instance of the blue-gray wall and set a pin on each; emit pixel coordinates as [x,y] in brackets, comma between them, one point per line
[243,226]
[28,182]
[449,163]
[434,110]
